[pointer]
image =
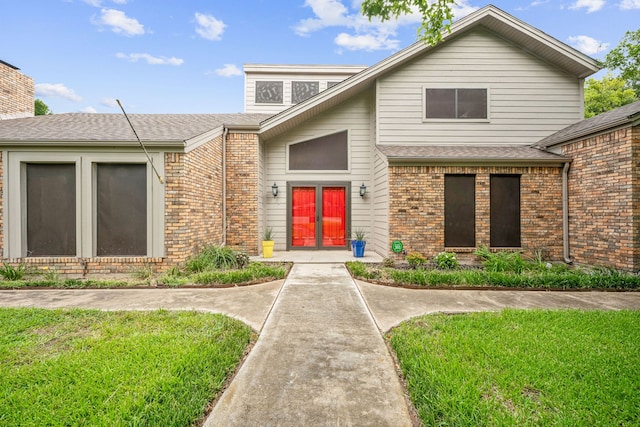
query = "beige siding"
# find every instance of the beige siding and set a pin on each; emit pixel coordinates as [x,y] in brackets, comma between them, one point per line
[528,99]
[381,204]
[353,116]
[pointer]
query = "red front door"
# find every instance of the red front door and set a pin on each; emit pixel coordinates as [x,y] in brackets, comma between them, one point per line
[319,217]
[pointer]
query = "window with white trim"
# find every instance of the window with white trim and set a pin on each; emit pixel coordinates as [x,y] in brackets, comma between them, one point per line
[456,103]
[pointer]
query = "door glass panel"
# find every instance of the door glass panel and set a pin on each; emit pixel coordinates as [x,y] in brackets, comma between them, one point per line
[334,226]
[303,217]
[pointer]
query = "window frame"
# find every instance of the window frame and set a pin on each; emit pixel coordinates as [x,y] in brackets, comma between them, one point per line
[456,87]
[15,244]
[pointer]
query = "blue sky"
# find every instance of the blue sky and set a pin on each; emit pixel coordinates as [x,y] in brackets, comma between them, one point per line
[168,56]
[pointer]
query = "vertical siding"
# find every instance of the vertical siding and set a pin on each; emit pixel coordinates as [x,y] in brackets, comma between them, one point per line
[354,116]
[528,99]
[381,203]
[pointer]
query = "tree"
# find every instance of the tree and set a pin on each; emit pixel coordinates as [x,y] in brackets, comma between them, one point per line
[41,109]
[626,58]
[436,15]
[606,94]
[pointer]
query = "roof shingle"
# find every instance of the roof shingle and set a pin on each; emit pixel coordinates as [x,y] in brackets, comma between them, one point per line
[467,153]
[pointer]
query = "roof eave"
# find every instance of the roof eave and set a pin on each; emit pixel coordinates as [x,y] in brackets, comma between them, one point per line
[488,161]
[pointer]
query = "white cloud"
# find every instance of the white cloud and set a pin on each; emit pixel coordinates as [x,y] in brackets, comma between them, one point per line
[590,5]
[208,27]
[119,22]
[588,45]
[152,60]
[229,70]
[57,89]
[368,42]
[98,3]
[363,34]
[629,4]
[109,102]
[90,110]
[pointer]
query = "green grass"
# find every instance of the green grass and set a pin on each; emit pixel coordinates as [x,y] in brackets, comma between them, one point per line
[80,367]
[524,368]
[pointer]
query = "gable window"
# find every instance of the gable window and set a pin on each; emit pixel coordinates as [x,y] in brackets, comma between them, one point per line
[326,153]
[51,209]
[456,103]
[505,211]
[121,209]
[459,211]
[301,91]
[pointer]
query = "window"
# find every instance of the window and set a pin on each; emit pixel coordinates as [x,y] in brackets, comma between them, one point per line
[121,209]
[269,92]
[459,211]
[329,152]
[83,204]
[51,209]
[505,211]
[456,104]
[301,91]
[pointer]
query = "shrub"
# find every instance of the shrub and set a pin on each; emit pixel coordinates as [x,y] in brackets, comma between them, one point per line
[388,263]
[446,261]
[500,261]
[416,259]
[211,258]
[9,272]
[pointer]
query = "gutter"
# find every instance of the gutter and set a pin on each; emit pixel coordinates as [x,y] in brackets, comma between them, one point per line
[225,131]
[565,214]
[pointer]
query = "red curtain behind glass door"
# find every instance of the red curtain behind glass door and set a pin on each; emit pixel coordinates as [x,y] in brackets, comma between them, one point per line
[334,227]
[303,216]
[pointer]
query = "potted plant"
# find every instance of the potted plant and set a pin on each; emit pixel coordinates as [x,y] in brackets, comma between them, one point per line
[267,243]
[358,243]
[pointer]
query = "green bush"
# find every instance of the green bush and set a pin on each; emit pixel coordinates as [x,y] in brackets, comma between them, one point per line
[500,261]
[446,261]
[9,272]
[416,259]
[213,258]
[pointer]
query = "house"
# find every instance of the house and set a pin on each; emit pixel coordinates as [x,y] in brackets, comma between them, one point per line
[436,147]
[16,93]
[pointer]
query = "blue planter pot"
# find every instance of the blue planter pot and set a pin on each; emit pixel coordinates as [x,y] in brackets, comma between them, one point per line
[358,248]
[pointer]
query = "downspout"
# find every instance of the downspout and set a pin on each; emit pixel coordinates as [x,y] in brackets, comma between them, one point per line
[565,213]
[225,131]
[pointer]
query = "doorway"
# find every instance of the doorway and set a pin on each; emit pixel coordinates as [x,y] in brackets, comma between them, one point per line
[318,215]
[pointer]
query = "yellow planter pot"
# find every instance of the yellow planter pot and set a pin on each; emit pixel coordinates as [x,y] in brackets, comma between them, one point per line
[267,248]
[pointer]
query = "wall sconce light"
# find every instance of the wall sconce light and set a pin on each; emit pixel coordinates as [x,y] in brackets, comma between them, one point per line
[363,190]
[274,190]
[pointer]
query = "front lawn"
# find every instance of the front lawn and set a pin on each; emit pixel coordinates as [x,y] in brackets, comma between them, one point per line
[524,368]
[82,367]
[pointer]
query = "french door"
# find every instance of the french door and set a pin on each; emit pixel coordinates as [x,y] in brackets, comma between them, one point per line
[318,215]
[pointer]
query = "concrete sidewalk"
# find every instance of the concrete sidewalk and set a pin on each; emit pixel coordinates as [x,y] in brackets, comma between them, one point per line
[319,361]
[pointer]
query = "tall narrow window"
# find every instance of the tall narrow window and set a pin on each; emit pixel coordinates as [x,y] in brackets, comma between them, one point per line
[505,211]
[121,207]
[459,211]
[51,209]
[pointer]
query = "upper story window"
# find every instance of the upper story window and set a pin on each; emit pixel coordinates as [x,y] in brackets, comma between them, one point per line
[301,91]
[326,153]
[456,104]
[269,92]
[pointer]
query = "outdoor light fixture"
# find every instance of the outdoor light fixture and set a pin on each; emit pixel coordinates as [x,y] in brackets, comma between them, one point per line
[363,190]
[274,190]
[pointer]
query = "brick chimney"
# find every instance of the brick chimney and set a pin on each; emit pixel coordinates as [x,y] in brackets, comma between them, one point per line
[16,93]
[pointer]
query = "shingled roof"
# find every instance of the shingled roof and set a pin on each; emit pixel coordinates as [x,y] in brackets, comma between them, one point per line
[82,127]
[511,154]
[610,119]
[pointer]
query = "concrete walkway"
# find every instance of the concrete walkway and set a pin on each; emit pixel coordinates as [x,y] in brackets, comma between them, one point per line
[320,360]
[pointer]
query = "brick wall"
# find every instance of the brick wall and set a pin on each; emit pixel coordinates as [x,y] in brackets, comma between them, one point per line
[16,93]
[416,207]
[193,200]
[604,199]
[242,192]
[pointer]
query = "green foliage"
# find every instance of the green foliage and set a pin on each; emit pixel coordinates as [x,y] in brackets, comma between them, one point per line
[606,94]
[522,367]
[446,261]
[437,15]
[41,109]
[500,261]
[213,257]
[359,234]
[388,262]
[252,273]
[626,58]
[9,272]
[416,259]
[267,235]
[100,368]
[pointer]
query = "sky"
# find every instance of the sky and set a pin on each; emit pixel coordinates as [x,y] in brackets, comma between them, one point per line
[187,56]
